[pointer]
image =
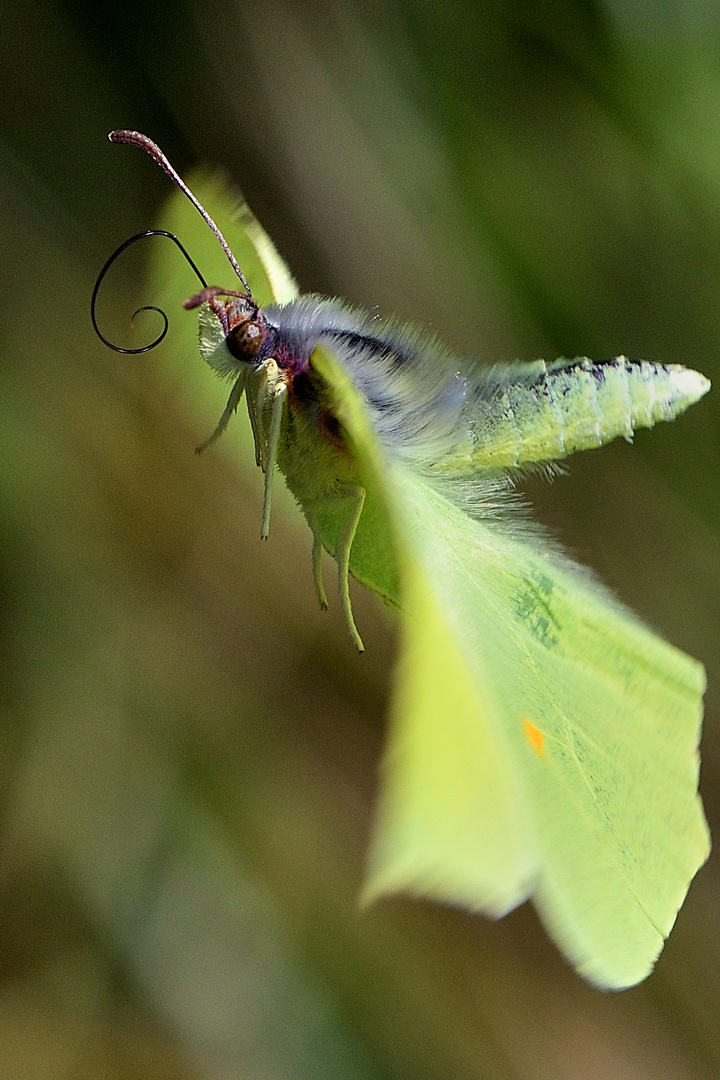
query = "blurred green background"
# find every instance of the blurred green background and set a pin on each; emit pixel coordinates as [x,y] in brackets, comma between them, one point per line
[189,747]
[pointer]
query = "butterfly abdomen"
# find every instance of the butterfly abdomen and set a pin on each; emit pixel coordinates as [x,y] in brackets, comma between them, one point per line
[544,412]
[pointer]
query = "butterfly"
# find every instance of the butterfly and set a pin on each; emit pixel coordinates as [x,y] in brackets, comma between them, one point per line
[542,741]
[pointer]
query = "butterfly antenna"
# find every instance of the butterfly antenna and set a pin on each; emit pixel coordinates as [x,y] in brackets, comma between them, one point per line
[135,138]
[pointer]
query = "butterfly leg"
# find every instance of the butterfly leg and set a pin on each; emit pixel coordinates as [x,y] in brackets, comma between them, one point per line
[233,401]
[279,397]
[342,557]
[262,383]
[317,572]
[264,377]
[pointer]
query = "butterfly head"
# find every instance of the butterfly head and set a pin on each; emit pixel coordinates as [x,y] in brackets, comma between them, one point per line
[248,336]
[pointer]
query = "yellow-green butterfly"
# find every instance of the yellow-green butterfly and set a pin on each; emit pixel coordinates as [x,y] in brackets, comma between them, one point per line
[543,742]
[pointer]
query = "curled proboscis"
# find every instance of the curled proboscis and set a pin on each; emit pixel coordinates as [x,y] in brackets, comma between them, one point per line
[147,307]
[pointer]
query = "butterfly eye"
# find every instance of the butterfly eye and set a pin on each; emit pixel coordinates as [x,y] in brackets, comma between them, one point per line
[245,339]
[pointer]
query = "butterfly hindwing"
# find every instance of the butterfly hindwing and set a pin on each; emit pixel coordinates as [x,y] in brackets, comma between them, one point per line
[592,722]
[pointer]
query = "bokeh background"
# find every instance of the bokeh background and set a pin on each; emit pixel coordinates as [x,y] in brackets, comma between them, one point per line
[189,747]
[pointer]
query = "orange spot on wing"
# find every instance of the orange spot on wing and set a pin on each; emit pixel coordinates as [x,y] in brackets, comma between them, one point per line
[535,737]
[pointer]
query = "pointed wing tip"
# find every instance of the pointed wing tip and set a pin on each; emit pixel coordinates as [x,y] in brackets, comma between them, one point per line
[614,979]
[453,890]
[615,961]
